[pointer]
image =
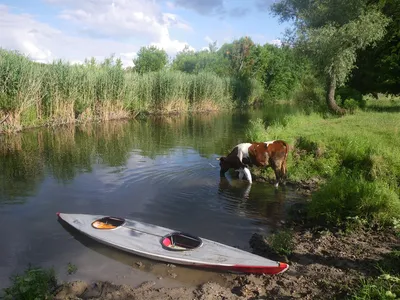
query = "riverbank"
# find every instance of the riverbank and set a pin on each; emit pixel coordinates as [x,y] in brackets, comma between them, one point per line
[323,265]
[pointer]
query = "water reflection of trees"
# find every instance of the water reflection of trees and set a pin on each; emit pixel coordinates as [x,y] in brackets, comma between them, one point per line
[67,151]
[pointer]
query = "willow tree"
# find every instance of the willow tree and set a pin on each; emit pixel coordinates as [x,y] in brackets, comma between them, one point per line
[331,32]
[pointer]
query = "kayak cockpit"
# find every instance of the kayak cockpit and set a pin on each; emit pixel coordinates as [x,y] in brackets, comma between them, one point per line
[180,241]
[108,223]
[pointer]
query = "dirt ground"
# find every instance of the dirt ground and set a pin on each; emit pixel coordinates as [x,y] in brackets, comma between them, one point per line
[322,266]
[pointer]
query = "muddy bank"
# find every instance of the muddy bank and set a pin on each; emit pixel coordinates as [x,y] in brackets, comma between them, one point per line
[323,265]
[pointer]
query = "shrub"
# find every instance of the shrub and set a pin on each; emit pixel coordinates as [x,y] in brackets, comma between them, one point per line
[33,284]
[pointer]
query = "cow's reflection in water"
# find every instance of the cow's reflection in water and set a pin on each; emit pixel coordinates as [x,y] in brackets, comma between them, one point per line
[267,205]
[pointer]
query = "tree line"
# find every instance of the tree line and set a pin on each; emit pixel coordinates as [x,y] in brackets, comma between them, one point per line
[336,49]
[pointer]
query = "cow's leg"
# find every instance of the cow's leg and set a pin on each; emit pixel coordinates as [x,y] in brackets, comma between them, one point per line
[276,166]
[277,178]
[248,175]
[284,172]
[241,173]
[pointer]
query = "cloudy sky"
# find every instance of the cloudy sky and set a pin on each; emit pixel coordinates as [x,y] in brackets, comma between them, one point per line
[77,29]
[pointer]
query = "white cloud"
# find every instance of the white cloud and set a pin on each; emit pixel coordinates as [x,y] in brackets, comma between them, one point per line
[125,19]
[104,27]
[43,43]
[276,42]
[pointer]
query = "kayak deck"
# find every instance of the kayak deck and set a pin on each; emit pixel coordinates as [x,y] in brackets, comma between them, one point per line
[164,244]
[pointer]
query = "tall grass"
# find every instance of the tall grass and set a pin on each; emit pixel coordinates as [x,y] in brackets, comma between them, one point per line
[356,157]
[38,94]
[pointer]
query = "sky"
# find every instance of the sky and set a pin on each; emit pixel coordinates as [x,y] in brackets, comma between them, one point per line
[73,30]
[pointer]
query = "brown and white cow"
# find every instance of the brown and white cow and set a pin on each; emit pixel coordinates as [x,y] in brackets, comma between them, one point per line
[264,154]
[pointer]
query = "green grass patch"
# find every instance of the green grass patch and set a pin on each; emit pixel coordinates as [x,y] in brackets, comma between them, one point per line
[35,283]
[357,157]
[384,287]
[282,242]
[71,268]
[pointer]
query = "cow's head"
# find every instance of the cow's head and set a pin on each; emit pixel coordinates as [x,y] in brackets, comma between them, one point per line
[224,165]
[259,152]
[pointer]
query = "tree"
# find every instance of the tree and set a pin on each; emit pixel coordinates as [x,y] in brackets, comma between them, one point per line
[378,68]
[150,59]
[239,53]
[330,32]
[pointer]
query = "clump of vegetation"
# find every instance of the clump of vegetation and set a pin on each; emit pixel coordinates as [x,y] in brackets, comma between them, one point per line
[37,94]
[256,130]
[282,242]
[386,286]
[35,283]
[71,268]
[355,158]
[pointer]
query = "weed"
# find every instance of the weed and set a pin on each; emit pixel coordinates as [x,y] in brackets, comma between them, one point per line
[71,268]
[282,242]
[34,283]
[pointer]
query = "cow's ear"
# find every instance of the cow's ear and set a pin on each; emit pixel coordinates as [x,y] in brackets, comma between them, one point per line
[265,145]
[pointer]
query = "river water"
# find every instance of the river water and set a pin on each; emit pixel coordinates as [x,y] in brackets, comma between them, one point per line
[159,170]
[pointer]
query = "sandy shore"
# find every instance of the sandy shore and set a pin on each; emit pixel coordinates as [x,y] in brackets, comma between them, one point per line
[323,265]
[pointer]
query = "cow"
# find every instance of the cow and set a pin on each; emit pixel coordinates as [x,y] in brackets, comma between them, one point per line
[263,154]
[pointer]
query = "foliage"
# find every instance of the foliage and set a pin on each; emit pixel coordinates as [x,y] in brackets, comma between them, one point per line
[34,283]
[282,242]
[255,130]
[71,268]
[34,94]
[378,68]
[202,61]
[283,72]
[359,170]
[330,33]
[384,287]
[150,59]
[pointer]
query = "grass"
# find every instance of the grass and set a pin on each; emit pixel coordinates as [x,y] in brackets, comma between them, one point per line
[71,268]
[35,283]
[34,94]
[356,157]
[384,286]
[282,242]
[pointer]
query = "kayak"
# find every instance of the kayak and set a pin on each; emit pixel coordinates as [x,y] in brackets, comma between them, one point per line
[164,244]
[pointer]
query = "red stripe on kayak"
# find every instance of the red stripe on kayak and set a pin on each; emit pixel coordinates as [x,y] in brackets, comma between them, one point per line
[251,269]
[58,214]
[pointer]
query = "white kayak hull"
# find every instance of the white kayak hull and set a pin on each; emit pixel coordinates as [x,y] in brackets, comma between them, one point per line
[153,242]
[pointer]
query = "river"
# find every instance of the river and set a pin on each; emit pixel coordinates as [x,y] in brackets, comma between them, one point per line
[160,170]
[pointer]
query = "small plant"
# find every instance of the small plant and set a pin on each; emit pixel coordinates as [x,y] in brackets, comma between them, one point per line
[384,287]
[71,268]
[34,283]
[282,242]
[350,104]
[256,130]
[396,225]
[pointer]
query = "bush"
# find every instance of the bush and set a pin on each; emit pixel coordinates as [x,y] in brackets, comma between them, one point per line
[282,242]
[348,195]
[255,132]
[33,284]
[345,93]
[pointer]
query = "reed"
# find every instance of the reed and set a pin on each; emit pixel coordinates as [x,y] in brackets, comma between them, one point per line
[34,94]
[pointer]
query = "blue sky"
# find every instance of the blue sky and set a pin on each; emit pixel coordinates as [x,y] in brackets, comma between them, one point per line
[77,29]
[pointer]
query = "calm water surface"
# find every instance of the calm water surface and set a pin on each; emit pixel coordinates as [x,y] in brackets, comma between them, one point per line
[162,171]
